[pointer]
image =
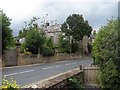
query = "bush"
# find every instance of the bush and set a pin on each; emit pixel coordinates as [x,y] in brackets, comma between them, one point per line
[27,53]
[22,48]
[74,84]
[105,53]
[64,45]
[47,51]
[9,85]
[75,47]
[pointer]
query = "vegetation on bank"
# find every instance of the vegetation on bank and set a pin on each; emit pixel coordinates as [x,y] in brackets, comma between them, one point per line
[106,55]
[9,84]
[74,83]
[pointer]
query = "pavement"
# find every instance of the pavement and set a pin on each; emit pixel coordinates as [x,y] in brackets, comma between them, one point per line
[25,75]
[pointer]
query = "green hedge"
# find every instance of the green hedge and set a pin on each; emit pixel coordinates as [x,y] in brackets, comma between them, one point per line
[105,53]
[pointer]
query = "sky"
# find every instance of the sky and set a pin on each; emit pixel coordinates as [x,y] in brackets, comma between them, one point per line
[96,12]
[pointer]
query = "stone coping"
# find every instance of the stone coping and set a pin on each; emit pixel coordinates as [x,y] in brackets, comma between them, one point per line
[53,80]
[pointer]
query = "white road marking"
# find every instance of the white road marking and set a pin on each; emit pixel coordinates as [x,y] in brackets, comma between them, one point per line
[57,66]
[48,67]
[27,71]
[68,64]
[51,67]
[18,73]
[82,61]
[21,66]
[60,61]
[74,63]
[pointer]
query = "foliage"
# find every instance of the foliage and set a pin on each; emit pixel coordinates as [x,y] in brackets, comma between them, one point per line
[76,27]
[105,53]
[49,42]
[27,53]
[48,47]
[64,44]
[28,26]
[23,33]
[22,48]
[75,47]
[7,37]
[74,84]
[34,37]
[9,85]
[33,41]
[47,51]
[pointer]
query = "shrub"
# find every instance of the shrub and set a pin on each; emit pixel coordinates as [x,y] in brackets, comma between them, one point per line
[47,51]
[64,45]
[74,84]
[27,53]
[9,85]
[105,53]
[22,48]
[75,47]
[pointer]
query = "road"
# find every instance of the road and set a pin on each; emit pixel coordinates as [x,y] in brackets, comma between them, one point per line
[33,73]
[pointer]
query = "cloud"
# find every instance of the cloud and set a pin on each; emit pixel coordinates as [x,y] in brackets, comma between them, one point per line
[23,10]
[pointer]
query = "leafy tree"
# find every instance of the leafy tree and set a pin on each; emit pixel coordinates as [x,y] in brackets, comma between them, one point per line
[64,45]
[34,37]
[50,43]
[34,41]
[76,27]
[106,55]
[47,51]
[7,37]
[28,26]
[48,47]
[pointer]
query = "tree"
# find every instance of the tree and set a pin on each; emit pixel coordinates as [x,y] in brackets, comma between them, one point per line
[32,25]
[34,41]
[76,27]
[106,54]
[49,43]
[7,37]
[64,45]
[48,47]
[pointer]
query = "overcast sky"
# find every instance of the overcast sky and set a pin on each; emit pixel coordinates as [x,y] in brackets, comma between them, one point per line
[96,12]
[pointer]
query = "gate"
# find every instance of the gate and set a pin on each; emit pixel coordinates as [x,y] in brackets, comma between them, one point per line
[10,57]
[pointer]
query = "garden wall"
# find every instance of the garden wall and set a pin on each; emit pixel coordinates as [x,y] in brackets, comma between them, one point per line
[33,59]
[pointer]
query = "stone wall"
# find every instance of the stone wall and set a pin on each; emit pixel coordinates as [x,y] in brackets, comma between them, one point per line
[33,59]
[10,58]
[90,74]
[59,82]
